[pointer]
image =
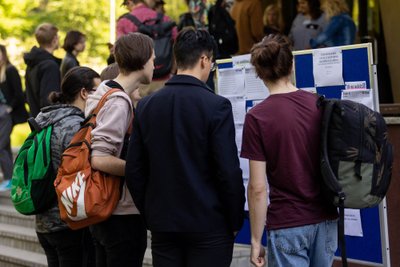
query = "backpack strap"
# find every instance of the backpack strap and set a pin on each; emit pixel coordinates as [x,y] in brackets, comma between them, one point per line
[133,19]
[160,16]
[326,169]
[342,241]
[34,125]
[103,100]
[328,175]
[90,120]
[157,19]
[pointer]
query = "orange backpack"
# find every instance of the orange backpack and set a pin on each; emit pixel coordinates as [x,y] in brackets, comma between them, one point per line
[85,196]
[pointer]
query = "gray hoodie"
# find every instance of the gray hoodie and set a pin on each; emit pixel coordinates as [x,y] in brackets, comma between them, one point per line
[66,121]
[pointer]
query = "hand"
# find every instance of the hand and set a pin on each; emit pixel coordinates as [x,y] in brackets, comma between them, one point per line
[9,109]
[257,255]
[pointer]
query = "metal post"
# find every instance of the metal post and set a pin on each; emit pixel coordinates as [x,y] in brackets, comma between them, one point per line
[383,220]
[112,21]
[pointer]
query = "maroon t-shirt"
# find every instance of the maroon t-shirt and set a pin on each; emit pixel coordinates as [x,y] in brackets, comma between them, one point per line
[284,131]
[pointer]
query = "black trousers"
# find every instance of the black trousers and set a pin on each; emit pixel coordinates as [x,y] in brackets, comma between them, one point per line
[210,249]
[120,241]
[6,159]
[68,248]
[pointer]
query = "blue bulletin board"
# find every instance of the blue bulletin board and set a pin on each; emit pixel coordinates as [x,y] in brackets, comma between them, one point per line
[372,248]
[356,67]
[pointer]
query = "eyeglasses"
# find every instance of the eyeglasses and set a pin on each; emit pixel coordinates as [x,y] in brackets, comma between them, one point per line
[213,67]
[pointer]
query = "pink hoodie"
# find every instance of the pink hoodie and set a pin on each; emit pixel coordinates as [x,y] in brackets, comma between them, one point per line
[112,123]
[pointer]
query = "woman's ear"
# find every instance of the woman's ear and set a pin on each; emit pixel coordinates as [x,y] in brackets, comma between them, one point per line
[84,94]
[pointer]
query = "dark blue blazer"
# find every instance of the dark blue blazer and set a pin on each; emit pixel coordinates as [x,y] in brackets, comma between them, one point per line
[182,166]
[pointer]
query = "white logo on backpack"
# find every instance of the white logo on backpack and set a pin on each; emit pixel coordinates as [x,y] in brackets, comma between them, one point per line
[76,191]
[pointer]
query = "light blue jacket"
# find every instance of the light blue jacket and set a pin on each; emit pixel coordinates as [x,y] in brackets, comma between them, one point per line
[341,30]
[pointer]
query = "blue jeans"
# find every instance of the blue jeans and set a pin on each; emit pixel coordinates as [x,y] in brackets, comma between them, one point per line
[303,246]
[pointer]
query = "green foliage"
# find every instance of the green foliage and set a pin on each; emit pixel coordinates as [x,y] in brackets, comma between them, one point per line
[174,8]
[19,18]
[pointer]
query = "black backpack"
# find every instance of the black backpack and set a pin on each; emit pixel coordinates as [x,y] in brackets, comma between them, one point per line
[161,33]
[186,20]
[356,157]
[222,27]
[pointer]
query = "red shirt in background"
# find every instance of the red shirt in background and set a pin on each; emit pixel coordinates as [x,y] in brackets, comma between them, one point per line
[142,13]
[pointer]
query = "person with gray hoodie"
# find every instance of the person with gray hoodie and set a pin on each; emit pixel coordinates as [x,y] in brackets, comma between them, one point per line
[63,246]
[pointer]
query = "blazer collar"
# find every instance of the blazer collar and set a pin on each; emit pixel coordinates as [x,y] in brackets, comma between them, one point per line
[182,79]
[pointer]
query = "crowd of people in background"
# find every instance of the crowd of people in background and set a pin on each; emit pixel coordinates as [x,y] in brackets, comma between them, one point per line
[182,176]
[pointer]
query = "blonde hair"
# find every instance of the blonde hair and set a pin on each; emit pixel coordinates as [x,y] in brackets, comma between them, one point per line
[270,8]
[2,72]
[334,7]
[275,8]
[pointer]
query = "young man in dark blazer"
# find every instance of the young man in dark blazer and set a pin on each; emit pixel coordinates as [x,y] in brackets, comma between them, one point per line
[182,166]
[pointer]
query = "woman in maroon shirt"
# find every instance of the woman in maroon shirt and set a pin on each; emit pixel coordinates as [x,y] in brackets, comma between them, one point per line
[281,138]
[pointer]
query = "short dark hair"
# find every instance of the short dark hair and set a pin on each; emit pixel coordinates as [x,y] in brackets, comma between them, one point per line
[71,39]
[315,8]
[190,45]
[45,33]
[72,83]
[132,51]
[125,2]
[272,57]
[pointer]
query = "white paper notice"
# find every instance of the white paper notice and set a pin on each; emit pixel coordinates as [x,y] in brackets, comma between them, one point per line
[310,89]
[231,82]
[238,136]
[363,96]
[352,222]
[328,67]
[242,61]
[356,85]
[238,108]
[244,165]
[254,86]
[246,183]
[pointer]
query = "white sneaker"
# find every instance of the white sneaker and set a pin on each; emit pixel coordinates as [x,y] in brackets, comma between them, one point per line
[5,185]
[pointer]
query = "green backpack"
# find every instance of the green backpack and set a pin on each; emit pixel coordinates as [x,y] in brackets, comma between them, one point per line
[32,189]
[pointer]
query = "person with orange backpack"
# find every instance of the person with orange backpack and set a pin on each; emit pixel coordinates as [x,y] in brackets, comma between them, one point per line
[120,240]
